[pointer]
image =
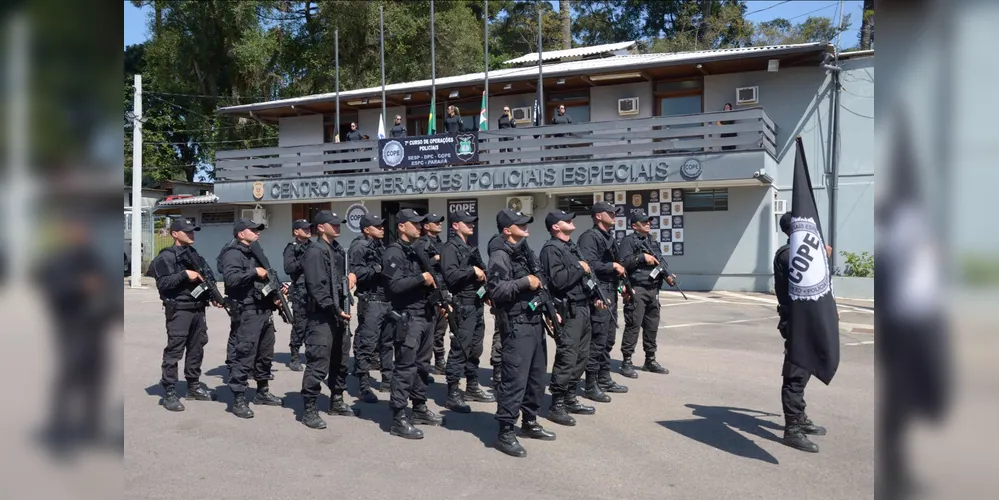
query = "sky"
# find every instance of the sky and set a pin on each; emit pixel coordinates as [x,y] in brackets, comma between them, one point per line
[794,11]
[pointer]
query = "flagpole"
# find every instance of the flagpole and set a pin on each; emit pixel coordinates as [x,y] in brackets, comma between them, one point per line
[433,71]
[485,23]
[541,90]
[381,22]
[336,52]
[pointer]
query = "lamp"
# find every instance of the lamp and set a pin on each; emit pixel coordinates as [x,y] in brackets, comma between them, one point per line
[615,76]
[453,94]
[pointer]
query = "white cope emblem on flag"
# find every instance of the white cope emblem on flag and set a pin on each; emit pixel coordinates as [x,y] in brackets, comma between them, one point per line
[809,268]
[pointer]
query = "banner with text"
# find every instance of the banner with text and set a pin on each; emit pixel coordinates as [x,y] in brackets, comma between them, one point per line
[429,150]
[665,206]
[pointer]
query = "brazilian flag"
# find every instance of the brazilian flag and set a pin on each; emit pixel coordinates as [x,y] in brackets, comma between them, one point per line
[432,125]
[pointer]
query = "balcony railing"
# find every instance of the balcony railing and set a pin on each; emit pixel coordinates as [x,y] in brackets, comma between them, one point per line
[716,132]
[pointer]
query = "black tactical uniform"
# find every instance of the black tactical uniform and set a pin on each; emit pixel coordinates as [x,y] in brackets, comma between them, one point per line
[430,246]
[525,351]
[293,254]
[253,333]
[398,130]
[327,343]
[187,329]
[495,357]
[641,308]
[599,249]
[792,391]
[374,336]
[458,259]
[560,263]
[413,317]
[453,124]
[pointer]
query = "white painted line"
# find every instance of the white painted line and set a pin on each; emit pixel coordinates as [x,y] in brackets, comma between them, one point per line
[772,302]
[865,342]
[732,322]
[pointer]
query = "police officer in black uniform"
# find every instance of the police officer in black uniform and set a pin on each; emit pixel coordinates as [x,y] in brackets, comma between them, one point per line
[252,342]
[293,253]
[797,425]
[566,272]
[599,248]
[640,256]
[398,130]
[430,245]
[184,297]
[413,317]
[513,290]
[465,274]
[327,344]
[372,337]
[495,358]
[452,122]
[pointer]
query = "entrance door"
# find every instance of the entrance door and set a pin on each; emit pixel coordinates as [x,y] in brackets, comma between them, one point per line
[390,208]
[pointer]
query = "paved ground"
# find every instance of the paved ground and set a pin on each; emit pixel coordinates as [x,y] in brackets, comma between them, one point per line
[708,430]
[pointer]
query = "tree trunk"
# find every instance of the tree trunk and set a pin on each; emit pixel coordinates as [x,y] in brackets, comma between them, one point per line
[867,26]
[566,17]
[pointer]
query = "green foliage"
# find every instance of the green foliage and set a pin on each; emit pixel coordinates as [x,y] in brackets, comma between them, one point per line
[859,266]
[980,270]
[814,29]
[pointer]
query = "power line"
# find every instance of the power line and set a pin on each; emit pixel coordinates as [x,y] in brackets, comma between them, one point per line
[209,142]
[205,96]
[765,8]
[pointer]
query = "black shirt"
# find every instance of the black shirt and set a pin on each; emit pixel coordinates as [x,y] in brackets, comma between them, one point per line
[430,248]
[632,252]
[293,254]
[239,271]
[323,267]
[453,124]
[457,259]
[506,121]
[507,282]
[398,131]
[599,249]
[782,261]
[170,270]
[354,135]
[366,264]
[561,267]
[403,277]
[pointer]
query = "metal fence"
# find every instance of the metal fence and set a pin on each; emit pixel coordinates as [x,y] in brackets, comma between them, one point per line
[148,236]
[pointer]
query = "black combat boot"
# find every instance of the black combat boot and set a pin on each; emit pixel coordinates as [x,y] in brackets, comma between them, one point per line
[402,427]
[197,391]
[455,400]
[239,406]
[607,384]
[497,377]
[808,427]
[264,396]
[425,416]
[593,391]
[295,364]
[311,418]
[557,412]
[474,392]
[440,366]
[652,366]
[627,368]
[171,401]
[364,383]
[339,407]
[572,405]
[386,385]
[532,429]
[794,436]
[508,443]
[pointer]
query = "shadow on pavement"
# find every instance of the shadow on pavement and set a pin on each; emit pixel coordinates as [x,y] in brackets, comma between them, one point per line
[717,425]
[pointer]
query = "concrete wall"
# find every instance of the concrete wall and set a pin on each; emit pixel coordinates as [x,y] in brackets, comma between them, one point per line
[367,120]
[300,130]
[603,101]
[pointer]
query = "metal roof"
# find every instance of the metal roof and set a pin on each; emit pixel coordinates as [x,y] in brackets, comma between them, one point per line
[586,67]
[576,52]
[204,199]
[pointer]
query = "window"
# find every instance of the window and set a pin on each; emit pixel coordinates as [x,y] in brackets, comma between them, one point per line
[218,217]
[705,200]
[578,204]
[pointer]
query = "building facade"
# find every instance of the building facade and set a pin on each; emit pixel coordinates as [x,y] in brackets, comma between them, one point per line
[648,131]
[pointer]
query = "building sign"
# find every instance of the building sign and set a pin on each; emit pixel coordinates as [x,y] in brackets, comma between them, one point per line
[429,150]
[472,206]
[353,215]
[665,206]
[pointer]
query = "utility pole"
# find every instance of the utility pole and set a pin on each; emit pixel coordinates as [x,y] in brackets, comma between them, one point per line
[23,192]
[137,185]
[381,35]
[336,56]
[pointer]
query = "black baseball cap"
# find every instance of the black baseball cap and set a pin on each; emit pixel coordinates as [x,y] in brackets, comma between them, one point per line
[508,217]
[437,219]
[368,220]
[409,215]
[463,216]
[639,216]
[242,224]
[327,217]
[301,224]
[183,225]
[785,223]
[601,207]
[557,216]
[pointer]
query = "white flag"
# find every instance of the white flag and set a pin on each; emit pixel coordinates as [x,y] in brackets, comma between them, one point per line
[381,126]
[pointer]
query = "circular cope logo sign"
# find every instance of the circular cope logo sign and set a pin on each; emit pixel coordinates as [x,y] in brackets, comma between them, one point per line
[393,153]
[354,214]
[809,273]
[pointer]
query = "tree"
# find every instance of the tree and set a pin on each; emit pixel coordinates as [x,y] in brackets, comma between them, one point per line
[565,16]
[600,22]
[814,29]
[688,25]
[867,26]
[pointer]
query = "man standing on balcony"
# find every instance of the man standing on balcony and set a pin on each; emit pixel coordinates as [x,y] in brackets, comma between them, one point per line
[372,337]
[465,274]
[430,245]
[599,248]
[640,257]
[293,253]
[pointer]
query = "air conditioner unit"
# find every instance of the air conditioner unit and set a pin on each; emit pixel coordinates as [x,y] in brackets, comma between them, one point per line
[522,114]
[627,106]
[522,204]
[257,214]
[780,207]
[747,95]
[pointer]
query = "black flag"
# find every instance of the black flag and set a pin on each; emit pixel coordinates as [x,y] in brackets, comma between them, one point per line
[813,337]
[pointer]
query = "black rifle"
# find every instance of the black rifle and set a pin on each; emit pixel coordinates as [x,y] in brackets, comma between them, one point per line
[440,296]
[661,271]
[193,263]
[342,292]
[552,326]
[591,283]
[273,286]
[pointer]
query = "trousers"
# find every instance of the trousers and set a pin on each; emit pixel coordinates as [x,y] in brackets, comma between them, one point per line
[496,352]
[252,342]
[604,333]
[642,311]
[792,389]
[466,344]
[372,323]
[327,353]
[299,327]
[440,328]
[572,349]
[525,361]
[187,331]
[411,372]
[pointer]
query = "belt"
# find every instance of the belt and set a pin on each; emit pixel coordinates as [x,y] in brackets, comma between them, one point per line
[468,301]
[185,306]
[372,297]
[578,303]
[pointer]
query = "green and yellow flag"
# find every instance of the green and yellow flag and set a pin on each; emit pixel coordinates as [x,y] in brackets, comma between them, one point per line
[432,125]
